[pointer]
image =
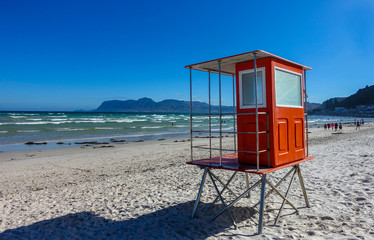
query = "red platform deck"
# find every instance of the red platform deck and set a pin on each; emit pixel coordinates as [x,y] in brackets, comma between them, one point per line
[230,162]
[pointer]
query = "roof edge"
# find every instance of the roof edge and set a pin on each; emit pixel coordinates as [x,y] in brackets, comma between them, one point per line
[255,51]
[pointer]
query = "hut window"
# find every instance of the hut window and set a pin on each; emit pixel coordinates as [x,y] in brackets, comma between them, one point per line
[247,88]
[288,88]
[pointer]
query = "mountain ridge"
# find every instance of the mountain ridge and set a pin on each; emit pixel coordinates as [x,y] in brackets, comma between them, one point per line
[359,104]
[147,105]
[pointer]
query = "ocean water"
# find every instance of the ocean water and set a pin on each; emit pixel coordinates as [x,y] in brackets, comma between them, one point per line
[17,128]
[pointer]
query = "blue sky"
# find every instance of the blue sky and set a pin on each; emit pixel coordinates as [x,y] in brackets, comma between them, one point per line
[69,55]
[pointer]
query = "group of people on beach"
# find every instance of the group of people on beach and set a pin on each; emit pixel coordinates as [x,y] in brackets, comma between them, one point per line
[333,126]
[339,125]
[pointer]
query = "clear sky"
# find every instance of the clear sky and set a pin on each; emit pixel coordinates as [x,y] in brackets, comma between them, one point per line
[69,55]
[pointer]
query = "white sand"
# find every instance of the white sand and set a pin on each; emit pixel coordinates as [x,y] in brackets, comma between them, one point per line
[146,191]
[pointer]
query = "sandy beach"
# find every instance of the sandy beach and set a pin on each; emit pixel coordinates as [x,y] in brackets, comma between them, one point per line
[145,190]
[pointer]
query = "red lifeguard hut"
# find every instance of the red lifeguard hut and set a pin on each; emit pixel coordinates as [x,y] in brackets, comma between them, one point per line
[270,129]
[278,110]
[270,100]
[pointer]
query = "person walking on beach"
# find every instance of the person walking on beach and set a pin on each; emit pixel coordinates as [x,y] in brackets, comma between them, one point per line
[328,126]
[340,126]
[357,125]
[332,126]
[325,126]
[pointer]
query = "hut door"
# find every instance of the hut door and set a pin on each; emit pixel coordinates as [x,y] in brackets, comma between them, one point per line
[290,115]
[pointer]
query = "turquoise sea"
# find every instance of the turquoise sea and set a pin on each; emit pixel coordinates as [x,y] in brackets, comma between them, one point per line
[17,128]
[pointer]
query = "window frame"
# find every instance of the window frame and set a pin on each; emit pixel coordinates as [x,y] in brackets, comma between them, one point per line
[276,92]
[263,105]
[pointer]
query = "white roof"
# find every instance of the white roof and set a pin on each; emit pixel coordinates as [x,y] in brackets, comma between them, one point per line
[228,63]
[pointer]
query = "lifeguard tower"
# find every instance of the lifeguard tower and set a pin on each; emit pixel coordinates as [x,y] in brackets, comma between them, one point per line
[269,124]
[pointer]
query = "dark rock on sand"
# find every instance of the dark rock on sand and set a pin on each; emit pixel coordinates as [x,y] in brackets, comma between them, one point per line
[36,143]
[117,141]
[108,146]
[91,143]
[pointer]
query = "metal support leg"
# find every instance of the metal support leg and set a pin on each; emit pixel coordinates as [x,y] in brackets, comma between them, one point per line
[220,197]
[236,199]
[224,188]
[284,201]
[199,193]
[223,184]
[281,195]
[261,217]
[247,183]
[303,186]
[276,185]
[280,181]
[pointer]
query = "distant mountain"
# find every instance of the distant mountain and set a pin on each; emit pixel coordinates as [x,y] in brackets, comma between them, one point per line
[364,96]
[165,106]
[312,106]
[330,104]
[360,104]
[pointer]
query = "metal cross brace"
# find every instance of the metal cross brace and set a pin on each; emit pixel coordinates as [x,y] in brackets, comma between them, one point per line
[295,169]
[224,188]
[211,175]
[220,197]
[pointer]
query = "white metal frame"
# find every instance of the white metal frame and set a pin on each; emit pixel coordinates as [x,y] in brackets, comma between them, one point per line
[263,105]
[256,113]
[301,88]
[263,181]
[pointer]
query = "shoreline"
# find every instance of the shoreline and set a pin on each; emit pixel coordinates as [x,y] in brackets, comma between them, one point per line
[77,142]
[65,130]
[67,143]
